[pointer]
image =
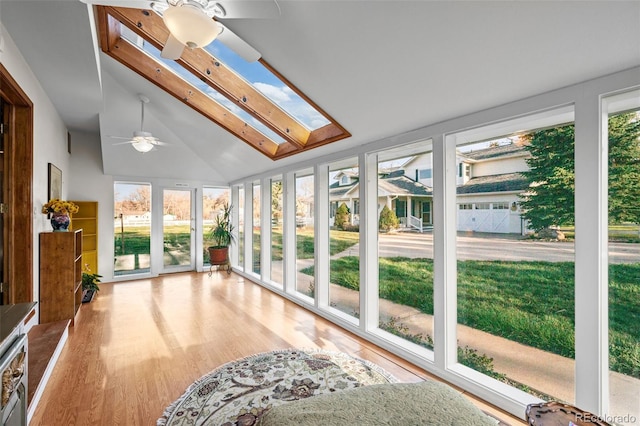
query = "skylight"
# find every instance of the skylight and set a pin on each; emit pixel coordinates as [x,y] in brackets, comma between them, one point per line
[270,85]
[250,100]
[147,47]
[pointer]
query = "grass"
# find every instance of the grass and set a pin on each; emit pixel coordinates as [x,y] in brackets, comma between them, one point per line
[527,302]
[339,241]
[137,240]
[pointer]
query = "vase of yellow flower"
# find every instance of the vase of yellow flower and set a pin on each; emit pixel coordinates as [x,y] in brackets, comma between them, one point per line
[61,212]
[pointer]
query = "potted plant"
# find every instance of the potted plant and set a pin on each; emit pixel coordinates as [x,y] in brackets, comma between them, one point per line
[222,236]
[89,285]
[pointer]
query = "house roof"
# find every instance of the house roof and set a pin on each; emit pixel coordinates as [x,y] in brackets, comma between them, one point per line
[494,183]
[493,152]
[389,184]
[338,191]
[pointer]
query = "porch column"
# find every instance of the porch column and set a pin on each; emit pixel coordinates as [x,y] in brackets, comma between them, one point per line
[409,210]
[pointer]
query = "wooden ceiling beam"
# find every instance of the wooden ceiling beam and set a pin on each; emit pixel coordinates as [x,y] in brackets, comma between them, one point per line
[217,75]
[130,56]
[148,25]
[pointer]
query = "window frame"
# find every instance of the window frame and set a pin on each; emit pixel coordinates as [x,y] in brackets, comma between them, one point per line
[150,27]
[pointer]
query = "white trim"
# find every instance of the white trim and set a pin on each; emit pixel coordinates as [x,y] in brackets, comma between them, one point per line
[369,311]
[591,265]
[321,234]
[235,221]
[265,230]
[248,222]
[289,232]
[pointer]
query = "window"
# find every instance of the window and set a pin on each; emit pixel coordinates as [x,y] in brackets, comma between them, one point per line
[132,228]
[256,226]
[241,229]
[213,200]
[276,231]
[423,174]
[405,259]
[624,264]
[344,180]
[305,240]
[344,266]
[238,103]
[466,206]
[521,295]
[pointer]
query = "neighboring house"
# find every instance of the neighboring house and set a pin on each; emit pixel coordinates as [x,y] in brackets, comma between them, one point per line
[489,187]
[410,200]
[489,183]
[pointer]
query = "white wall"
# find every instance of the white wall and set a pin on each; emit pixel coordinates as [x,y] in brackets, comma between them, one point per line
[49,141]
[88,183]
[499,166]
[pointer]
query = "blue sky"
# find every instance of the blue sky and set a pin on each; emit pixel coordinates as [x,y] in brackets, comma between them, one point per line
[256,74]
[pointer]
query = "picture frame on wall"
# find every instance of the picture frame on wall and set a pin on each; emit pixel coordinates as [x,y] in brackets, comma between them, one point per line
[55,182]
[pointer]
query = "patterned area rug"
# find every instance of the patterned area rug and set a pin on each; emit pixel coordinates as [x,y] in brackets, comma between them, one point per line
[242,391]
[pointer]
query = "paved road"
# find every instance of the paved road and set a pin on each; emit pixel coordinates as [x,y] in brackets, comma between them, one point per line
[492,247]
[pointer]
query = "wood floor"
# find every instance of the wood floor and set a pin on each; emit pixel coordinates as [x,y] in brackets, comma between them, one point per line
[140,344]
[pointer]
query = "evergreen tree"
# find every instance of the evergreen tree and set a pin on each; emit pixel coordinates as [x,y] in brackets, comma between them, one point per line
[550,198]
[342,217]
[624,168]
[388,219]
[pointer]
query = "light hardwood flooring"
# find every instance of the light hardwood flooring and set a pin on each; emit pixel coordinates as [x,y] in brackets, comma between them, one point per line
[140,344]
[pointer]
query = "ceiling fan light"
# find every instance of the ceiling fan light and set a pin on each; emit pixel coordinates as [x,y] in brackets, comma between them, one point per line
[190,25]
[142,145]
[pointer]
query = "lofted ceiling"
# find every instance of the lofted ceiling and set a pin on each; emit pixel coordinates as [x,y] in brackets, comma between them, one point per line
[380,68]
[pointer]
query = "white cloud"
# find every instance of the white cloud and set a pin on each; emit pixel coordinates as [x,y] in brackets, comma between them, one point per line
[277,94]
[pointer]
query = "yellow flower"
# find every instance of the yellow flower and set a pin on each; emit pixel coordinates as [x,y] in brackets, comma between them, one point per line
[59,206]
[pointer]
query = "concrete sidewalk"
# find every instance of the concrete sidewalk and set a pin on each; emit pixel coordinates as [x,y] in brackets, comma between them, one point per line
[538,369]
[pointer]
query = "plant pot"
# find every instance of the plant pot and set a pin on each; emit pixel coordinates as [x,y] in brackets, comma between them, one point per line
[219,255]
[88,295]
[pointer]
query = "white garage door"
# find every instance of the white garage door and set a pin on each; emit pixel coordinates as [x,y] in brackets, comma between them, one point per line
[483,219]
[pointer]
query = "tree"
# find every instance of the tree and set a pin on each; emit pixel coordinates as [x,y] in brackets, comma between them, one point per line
[550,198]
[388,219]
[624,168]
[342,217]
[276,200]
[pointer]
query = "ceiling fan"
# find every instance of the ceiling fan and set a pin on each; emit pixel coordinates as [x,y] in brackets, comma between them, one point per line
[142,141]
[191,23]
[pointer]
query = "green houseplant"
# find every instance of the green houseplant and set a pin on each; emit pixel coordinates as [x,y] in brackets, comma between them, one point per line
[222,236]
[90,285]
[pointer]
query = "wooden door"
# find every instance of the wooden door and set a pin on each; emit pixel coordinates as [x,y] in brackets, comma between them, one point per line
[16,203]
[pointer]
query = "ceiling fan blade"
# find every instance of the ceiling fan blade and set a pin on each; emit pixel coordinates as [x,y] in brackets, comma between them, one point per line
[134,4]
[238,45]
[122,143]
[257,9]
[172,48]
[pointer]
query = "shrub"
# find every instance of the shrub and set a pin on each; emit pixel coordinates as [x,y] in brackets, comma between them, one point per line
[343,217]
[388,219]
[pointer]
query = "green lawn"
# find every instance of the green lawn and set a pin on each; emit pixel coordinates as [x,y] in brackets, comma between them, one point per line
[339,241]
[137,241]
[528,302]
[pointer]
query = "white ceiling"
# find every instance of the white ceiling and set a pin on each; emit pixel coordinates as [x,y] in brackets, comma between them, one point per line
[380,68]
